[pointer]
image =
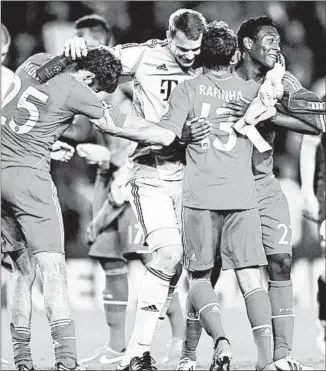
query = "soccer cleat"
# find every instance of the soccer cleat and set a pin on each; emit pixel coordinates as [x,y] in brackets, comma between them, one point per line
[144,363]
[61,367]
[270,366]
[186,363]
[105,356]
[289,363]
[24,368]
[174,350]
[222,356]
[321,338]
[122,368]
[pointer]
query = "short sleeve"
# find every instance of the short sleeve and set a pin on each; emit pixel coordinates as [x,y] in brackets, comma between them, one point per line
[177,110]
[84,101]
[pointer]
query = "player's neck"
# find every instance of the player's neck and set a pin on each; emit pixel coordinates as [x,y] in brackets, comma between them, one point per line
[249,70]
[221,72]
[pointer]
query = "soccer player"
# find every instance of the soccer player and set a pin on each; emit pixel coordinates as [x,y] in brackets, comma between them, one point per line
[312,157]
[157,67]
[34,115]
[214,219]
[259,46]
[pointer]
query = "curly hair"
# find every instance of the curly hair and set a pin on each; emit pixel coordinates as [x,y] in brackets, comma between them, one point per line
[218,45]
[105,66]
[190,22]
[251,28]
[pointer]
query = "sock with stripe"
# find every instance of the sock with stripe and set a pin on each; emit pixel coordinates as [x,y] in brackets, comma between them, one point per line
[281,297]
[192,333]
[21,339]
[151,299]
[259,314]
[64,342]
[115,298]
[206,304]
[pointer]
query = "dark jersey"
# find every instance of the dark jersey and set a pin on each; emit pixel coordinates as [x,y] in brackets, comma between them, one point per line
[219,169]
[34,115]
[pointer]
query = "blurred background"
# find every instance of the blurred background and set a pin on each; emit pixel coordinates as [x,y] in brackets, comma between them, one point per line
[44,26]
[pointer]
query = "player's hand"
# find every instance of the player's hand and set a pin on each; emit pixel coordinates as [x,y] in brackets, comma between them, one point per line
[93,153]
[105,123]
[310,206]
[237,108]
[75,48]
[92,231]
[62,151]
[195,130]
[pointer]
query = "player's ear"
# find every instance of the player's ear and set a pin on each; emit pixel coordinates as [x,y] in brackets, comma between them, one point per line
[247,43]
[236,57]
[88,78]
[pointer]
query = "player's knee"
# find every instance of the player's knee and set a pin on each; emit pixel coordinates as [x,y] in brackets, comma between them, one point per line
[167,258]
[24,267]
[279,267]
[249,278]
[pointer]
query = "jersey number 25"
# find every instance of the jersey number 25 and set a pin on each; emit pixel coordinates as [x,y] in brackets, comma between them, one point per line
[32,109]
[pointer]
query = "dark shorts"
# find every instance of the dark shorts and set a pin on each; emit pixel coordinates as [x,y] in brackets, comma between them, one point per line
[233,235]
[32,213]
[275,218]
[123,238]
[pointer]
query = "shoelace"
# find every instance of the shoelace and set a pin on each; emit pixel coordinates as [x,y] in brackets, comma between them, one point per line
[295,365]
[183,362]
[144,363]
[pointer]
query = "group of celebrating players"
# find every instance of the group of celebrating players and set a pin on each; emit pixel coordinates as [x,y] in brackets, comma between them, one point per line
[206,104]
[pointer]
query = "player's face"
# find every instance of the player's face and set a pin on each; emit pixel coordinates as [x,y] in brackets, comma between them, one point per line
[266,47]
[92,39]
[184,50]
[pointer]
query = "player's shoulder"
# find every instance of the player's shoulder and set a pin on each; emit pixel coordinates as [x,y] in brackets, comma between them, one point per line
[6,72]
[152,44]
[39,58]
[290,81]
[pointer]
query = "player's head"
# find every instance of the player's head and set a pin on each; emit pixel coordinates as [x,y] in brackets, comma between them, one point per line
[94,29]
[5,42]
[100,70]
[218,46]
[186,28]
[259,39]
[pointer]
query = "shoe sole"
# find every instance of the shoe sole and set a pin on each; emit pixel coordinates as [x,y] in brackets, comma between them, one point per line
[221,364]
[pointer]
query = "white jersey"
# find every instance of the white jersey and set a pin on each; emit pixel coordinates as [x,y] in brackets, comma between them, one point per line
[6,79]
[155,74]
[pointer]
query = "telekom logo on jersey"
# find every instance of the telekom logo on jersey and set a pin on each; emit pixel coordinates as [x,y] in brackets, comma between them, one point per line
[167,87]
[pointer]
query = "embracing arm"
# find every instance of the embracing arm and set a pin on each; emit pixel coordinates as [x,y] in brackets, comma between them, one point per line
[294,124]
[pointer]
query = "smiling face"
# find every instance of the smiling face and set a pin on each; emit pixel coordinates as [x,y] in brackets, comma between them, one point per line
[265,47]
[184,49]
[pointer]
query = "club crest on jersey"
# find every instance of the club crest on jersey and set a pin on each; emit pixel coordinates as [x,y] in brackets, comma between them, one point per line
[107,106]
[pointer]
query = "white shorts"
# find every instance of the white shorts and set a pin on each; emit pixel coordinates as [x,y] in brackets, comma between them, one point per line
[157,204]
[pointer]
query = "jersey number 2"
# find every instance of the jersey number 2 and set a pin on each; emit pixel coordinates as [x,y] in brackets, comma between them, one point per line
[33,111]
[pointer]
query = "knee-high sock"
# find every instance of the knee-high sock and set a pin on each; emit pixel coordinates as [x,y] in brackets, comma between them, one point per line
[21,339]
[259,314]
[281,297]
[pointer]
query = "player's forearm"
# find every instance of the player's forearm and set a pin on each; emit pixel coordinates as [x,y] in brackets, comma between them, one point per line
[103,214]
[141,130]
[308,162]
[100,193]
[294,124]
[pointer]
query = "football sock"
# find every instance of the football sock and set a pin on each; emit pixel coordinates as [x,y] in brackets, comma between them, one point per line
[192,333]
[259,314]
[281,297]
[64,342]
[115,299]
[21,339]
[321,299]
[151,299]
[206,303]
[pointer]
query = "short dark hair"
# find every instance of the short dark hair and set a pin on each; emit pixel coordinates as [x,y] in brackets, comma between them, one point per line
[190,22]
[105,66]
[94,22]
[251,28]
[218,45]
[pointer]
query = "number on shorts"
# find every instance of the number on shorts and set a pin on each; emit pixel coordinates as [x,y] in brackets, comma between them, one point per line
[32,109]
[223,126]
[137,237]
[285,228]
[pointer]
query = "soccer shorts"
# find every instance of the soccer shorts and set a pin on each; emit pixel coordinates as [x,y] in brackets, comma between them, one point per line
[157,204]
[275,217]
[232,235]
[31,198]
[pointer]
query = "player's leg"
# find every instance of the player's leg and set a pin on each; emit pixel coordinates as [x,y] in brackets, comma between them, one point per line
[38,212]
[202,233]
[242,250]
[163,237]
[23,276]
[107,249]
[277,241]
